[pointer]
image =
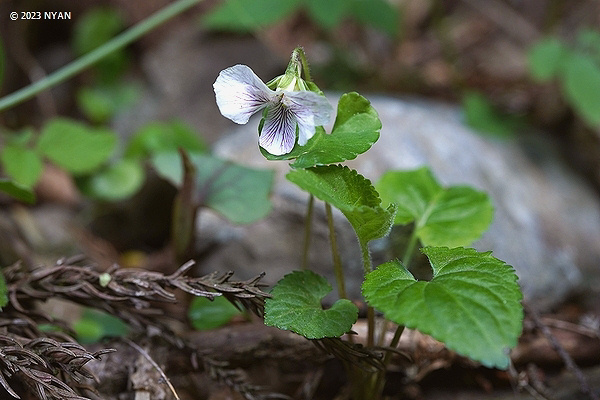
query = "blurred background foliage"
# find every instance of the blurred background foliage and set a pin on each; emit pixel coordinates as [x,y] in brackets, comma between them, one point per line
[511,65]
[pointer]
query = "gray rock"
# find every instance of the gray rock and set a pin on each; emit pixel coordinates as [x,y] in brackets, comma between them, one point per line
[546,224]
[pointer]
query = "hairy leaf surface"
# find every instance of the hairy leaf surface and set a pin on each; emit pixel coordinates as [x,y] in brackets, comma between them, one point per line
[355,130]
[296,306]
[453,216]
[352,194]
[472,304]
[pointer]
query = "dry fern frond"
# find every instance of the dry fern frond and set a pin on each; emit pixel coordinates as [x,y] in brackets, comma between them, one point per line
[50,368]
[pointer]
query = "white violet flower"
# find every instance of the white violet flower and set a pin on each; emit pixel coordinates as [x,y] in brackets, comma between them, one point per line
[240,94]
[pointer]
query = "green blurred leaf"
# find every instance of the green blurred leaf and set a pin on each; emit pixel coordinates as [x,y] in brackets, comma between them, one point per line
[95,325]
[328,13]
[101,103]
[453,216]
[94,28]
[352,194]
[117,182]
[3,292]
[17,191]
[238,193]
[295,306]
[248,15]
[546,58]
[582,87]
[356,128]
[588,41]
[20,138]
[379,14]
[472,304]
[157,137]
[481,115]
[205,314]
[74,146]
[21,164]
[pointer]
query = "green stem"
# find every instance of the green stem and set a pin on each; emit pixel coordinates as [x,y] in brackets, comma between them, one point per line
[366,258]
[380,381]
[393,344]
[337,263]
[410,248]
[307,231]
[85,61]
[367,267]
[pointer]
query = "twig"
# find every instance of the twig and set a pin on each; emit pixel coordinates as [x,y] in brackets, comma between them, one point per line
[569,363]
[571,327]
[154,364]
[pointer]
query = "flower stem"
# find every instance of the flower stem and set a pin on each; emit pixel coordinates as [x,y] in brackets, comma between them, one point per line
[367,267]
[85,61]
[410,248]
[337,263]
[307,231]
[380,382]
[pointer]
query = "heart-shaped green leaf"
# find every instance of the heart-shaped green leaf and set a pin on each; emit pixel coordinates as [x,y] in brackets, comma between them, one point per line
[248,15]
[352,194]
[119,181]
[205,314]
[582,86]
[100,103]
[472,304]
[157,137]
[454,216]
[328,13]
[23,165]
[17,191]
[379,14]
[74,146]
[481,115]
[295,306]
[546,59]
[240,194]
[356,128]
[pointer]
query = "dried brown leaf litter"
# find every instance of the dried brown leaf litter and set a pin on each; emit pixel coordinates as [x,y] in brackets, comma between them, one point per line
[53,365]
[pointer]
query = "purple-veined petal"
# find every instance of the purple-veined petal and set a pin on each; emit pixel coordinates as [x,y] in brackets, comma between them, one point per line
[310,110]
[240,93]
[278,134]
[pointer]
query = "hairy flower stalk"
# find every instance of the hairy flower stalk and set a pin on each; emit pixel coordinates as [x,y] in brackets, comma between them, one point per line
[289,104]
